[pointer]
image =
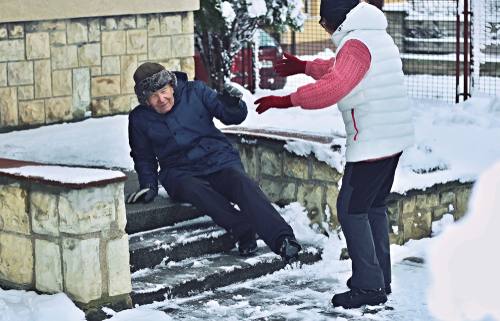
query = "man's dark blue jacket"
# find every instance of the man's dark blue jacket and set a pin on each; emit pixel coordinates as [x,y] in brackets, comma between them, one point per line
[184,141]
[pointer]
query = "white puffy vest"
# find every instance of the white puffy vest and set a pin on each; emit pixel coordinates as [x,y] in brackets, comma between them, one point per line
[376,112]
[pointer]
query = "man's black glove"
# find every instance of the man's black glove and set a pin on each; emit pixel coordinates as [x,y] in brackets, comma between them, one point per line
[231,98]
[147,194]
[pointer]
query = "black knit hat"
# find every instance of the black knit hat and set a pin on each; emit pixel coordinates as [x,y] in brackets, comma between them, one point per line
[151,77]
[335,11]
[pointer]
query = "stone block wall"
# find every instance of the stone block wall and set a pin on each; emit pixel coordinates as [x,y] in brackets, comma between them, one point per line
[64,70]
[61,239]
[286,177]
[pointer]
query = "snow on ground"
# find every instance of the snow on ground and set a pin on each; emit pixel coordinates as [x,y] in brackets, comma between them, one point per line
[456,281]
[62,174]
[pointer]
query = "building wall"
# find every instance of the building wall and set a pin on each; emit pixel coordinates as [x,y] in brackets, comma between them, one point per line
[68,69]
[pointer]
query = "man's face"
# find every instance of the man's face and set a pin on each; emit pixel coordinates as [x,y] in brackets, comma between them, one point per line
[162,100]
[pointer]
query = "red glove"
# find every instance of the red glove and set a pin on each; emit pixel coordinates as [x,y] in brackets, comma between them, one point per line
[273,102]
[290,66]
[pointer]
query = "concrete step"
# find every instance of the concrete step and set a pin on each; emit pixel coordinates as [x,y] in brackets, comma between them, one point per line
[196,275]
[176,243]
[159,213]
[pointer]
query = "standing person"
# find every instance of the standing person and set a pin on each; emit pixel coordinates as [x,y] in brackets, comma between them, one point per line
[173,127]
[366,81]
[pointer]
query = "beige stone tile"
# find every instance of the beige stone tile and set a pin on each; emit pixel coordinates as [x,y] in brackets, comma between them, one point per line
[3,74]
[25,92]
[82,271]
[128,67]
[53,25]
[153,25]
[37,45]
[62,83]
[111,65]
[16,263]
[44,214]
[183,46]
[117,259]
[77,31]
[94,30]
[20,73]
[113,43]
[137,41]
[33,26]
[32,112]
[58,109]
[159,48]
[11,50]
[142,21]
[105,86]
[188,22]
[57,38]
[119,104]
[48,269]
[8,107]
[100,107]
[188,67]
[270,162]
[16,30]
[296,166]
[95,71]
[171,24]
[81,92]
[143,57]
[126,22]
[14,214]
[64,57]
[4,34]
[89,55]
[109,24]
[172,64]
[43,79]
[310,196]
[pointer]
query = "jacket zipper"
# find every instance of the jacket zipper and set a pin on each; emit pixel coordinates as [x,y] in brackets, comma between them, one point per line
[354,120]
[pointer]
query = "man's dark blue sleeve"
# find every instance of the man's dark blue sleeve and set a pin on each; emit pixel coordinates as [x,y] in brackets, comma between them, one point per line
[145,162]
[228,116]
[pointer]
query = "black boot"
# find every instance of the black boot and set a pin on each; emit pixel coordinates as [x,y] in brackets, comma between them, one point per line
[289,250]
[247,244]
[387,288]
[356,298]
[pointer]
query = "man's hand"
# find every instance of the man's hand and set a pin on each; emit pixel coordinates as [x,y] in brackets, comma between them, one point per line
[289,66]
[273,102]
[230,96]
[147,194]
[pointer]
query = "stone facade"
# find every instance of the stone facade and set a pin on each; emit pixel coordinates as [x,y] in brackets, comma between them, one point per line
[54,71]
[286,177]
[55,238]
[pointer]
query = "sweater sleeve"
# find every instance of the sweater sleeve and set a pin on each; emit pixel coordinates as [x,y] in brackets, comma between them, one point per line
[319,67]
[353,62]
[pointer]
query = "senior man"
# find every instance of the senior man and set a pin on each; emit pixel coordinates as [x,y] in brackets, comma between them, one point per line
[173,127]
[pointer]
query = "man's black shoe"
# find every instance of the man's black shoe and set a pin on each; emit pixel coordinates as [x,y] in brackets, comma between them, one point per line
[289,250]
[356,298]
[387,289]
[247,244]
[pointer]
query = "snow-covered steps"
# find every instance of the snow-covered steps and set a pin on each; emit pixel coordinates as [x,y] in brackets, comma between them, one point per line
[176,243]
[159,213]
[195,275]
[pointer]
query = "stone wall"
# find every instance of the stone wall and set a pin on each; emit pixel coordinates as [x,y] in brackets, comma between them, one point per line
[61,239]
[65,70]
[286,177]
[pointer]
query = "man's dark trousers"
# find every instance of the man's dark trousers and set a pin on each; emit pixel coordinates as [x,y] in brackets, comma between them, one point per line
[212,194]
[361,210]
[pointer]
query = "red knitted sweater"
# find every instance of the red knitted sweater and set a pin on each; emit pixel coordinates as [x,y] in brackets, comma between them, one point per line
[334,80]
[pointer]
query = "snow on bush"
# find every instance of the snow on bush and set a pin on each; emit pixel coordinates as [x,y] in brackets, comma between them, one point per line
[465,258]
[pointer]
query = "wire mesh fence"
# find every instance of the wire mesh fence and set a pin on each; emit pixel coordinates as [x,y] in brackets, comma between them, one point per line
[430,38]
[485,46]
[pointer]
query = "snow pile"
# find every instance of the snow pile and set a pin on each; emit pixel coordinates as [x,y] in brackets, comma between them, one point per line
[256,8]
[465,258]
[29,306]
[68,175]
[139,313]
[227,12]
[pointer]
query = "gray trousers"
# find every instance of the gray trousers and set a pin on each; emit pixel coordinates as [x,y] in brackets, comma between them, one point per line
[361,210]
[212,194]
